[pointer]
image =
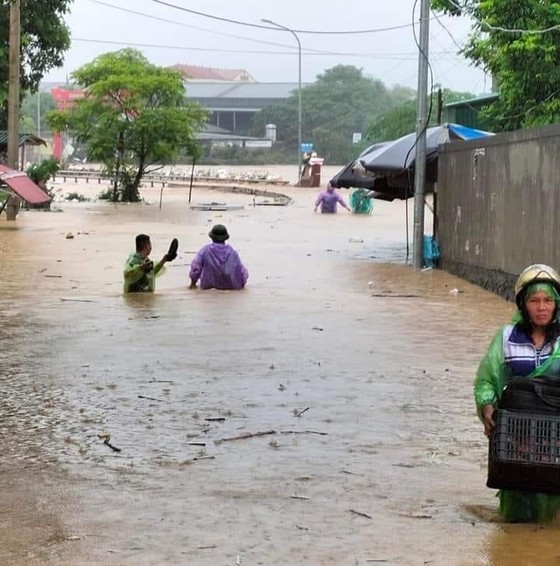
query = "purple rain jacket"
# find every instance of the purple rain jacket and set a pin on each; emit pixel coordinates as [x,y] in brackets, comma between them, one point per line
[218,266]
[328,201]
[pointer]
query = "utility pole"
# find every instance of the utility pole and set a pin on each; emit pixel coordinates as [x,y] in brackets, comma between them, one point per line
[421,127]
[39,112]
[13,100]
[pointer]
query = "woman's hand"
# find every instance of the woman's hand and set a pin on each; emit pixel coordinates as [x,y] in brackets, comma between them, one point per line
[488,419]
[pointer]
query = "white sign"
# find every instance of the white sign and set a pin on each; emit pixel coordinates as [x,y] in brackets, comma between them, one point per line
[356,137]
[258,143]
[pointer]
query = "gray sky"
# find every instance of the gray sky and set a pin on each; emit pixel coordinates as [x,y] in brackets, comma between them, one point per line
[99,26]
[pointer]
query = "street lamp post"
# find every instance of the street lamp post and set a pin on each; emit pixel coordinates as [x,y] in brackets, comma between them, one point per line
[299,90]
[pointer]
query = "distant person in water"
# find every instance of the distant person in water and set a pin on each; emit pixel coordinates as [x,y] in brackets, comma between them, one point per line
[139,270]
[328,200]
[218,265]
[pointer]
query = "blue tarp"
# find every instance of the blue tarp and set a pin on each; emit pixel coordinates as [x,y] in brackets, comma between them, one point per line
[465,133]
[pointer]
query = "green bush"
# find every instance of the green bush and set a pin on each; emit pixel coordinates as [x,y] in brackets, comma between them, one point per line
[107,194]
[40,173]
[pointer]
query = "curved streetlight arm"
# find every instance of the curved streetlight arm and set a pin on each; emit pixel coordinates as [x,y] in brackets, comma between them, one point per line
[280,26]
[284,28]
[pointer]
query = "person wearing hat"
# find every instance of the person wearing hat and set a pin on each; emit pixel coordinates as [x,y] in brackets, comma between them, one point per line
[218,265]
[529,347]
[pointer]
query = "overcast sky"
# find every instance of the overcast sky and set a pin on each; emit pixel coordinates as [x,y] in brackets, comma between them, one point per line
[167,35]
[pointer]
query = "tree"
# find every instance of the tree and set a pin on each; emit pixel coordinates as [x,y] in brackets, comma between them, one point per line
[401,121]
[44,39]
[341,102]
[134,118]
[525,65]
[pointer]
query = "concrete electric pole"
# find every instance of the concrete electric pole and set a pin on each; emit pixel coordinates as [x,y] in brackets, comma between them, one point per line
[421,127]
[13,100]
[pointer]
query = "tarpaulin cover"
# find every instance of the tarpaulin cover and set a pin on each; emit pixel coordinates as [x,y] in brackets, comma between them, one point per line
[387,168]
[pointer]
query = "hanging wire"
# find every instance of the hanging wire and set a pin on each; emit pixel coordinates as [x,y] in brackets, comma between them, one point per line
[260,26]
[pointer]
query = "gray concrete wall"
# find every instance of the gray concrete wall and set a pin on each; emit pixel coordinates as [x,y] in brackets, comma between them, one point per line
[498,205]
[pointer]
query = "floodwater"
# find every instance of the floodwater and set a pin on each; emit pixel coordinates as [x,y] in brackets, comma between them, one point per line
[358,369]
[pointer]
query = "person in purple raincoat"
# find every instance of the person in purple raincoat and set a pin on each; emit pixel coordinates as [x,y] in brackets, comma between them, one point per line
[328,199]
[218,265]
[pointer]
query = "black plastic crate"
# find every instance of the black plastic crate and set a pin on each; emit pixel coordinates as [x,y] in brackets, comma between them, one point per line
[524,452]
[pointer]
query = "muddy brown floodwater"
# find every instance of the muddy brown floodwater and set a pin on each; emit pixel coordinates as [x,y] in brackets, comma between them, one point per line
[361,366]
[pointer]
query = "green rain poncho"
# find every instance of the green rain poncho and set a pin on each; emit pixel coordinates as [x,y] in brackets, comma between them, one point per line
[491,377]
[359,201]
[138,280]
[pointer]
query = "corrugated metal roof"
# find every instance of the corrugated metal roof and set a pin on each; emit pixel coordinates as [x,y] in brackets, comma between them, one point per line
[240,90]
[204,136]
[212,74]
[212,132]
[28,139]
[479,101]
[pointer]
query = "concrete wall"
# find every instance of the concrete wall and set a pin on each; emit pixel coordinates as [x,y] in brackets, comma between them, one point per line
[498,206]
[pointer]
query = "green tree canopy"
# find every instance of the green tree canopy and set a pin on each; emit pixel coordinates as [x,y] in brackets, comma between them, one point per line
[401,121]
[134,117]
[342,101]
[525,65]
[44,39]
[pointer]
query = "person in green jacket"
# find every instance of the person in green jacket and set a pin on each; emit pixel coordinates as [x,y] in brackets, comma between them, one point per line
[140,271]
[528,347]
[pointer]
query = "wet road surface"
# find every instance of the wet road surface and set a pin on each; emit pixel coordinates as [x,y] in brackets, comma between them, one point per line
[359,370]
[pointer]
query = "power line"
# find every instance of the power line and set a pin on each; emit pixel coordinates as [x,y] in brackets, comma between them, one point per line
[306,50]
[384,56]
[181,24]
[259,26]
[447,30]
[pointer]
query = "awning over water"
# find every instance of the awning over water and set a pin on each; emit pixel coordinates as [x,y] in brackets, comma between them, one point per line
[23,186]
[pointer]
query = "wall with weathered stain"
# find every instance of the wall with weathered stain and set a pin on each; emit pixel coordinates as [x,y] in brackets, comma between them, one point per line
[498,206]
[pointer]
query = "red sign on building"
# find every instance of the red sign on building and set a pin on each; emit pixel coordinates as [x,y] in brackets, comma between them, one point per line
[65,99]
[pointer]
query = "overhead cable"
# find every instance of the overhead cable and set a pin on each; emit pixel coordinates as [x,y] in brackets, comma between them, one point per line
[260,26]
[388,56]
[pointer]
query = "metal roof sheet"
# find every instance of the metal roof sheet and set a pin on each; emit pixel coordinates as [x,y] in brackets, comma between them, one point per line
[240,90]
[28,139]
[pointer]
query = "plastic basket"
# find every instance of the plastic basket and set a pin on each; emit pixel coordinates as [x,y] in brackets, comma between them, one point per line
[524,452]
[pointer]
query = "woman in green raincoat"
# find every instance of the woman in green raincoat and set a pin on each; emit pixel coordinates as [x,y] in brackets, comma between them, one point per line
[529,347]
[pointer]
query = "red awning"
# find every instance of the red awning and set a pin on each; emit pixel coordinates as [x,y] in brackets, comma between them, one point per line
[23,186]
